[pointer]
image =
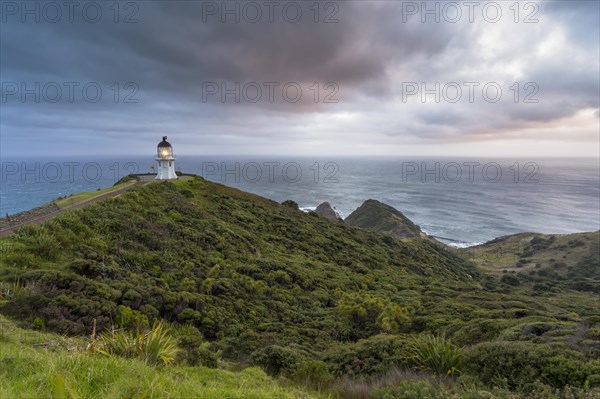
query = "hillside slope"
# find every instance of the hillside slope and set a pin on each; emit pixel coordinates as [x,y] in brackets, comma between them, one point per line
[229,262]
[267,284]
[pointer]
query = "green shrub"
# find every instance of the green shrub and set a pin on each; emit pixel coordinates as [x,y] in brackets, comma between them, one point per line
[514,365]
[131,319]
[188,315]
[202,356]
[290,204]
[510,280]
[276,360]
[372,356]
[194,351]
[437,355]
[593,333]
[367,315]
[478,330]
[592,321]
[39,323]
[120,343]
[154,346]
[561,371]
[158,347]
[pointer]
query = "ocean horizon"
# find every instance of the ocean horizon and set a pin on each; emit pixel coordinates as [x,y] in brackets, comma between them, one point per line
[461,201]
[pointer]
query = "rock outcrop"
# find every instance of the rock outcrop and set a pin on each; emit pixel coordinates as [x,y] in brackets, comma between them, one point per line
[325,210]
[377,216]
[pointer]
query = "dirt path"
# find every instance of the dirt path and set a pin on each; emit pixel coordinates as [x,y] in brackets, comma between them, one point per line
[42,219]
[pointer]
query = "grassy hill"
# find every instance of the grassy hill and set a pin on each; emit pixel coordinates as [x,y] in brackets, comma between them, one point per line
[223,260]
[542,261]
[244,280]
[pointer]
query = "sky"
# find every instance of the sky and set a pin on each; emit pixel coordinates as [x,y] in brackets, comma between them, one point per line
[309,78]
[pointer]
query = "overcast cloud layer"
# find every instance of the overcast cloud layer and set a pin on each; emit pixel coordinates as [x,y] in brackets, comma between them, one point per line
[370,61]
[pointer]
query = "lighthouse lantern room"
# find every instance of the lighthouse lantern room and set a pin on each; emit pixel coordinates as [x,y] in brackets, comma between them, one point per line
[166,161]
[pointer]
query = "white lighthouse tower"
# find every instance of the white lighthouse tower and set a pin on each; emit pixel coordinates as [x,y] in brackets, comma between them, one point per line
[166,161]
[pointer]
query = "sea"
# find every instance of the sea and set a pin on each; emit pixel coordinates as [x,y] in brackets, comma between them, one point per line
[461,201]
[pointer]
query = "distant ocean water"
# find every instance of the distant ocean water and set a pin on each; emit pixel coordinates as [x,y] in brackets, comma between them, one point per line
[461,201]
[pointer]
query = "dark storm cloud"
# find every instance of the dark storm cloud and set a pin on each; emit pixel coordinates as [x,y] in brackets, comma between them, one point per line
[172,48]
[175,48]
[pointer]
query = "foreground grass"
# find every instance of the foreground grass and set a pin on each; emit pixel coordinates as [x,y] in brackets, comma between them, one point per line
[41,365]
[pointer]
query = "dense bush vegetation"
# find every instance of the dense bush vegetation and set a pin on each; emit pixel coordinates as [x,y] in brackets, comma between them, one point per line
[516,365]
[371,356]
[244,279]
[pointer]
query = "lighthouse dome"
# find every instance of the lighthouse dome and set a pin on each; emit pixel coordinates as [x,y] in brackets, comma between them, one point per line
[165,150]
[164,143]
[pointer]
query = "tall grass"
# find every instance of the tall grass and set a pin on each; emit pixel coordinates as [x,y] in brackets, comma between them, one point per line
[61,389]
[357,388]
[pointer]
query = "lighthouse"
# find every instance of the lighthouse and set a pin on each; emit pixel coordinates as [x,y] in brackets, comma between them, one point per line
[166,161]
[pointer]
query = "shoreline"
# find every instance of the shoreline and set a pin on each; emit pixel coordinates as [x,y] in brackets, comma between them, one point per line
[48,210]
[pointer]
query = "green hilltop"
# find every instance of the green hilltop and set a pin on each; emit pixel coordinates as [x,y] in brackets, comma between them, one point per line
[243,281]
[545,261]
